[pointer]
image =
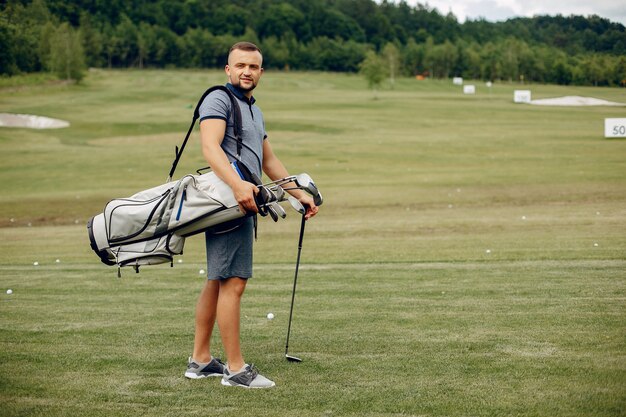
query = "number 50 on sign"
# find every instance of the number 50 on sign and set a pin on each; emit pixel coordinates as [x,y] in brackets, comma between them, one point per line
[615,128]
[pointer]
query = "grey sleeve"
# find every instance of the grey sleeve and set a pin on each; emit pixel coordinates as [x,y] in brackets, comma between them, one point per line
[215,106]
[264,131]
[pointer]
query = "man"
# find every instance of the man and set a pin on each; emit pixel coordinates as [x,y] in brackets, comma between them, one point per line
[229,255]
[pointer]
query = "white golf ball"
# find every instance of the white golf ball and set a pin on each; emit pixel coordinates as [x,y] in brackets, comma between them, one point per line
[180,261]
[201,272]
[9,291]
[270,316]
[58,261]
[488,251]
[35,263]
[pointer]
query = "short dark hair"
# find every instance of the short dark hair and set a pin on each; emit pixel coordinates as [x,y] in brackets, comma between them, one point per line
[244,46]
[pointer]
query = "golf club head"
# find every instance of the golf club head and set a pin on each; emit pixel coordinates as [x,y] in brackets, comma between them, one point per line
[292,358]
[297,205]
[279,192]
[317,199]
[279,210]
[272,212]
[305,182]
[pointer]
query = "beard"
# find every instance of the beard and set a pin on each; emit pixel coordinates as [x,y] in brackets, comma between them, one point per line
[242,88]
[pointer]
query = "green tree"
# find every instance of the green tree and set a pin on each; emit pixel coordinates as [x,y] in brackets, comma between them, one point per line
[143,43]
[67,58]
[276,53]
[562,73]
[45,44]
[91,39]
[509,62]
[22,28]
[280,19]
[443,58]
[413,58]
[374,69]
[448,58]
[127,49]
[8,64]
[429,55]
[594,69]
[490,67]
[471,61]
[619,72]
[392,56]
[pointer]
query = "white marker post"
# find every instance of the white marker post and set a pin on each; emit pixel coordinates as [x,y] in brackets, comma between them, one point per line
[615,128]
[521,96]
[469,89]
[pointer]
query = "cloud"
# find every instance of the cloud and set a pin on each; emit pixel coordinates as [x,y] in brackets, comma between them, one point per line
[498,10]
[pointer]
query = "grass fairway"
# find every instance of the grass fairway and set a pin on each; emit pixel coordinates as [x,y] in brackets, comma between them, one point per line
[469,259]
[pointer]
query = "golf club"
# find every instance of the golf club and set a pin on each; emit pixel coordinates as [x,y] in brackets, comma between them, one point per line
[279,192]
[296,205]
[306,183]
[300,208]
[317,199]
[279,210]
[280,181]
[272,211]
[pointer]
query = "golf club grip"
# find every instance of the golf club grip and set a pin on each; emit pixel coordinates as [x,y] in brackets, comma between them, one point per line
[261,199]
[302,224]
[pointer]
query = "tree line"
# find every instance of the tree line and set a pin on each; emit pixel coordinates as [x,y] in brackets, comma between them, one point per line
[327,35]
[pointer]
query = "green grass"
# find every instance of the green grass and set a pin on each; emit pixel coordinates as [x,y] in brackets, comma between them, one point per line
[468,261]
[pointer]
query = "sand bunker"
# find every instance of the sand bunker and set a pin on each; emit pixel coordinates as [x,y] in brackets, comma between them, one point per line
[30,121]
[574,101]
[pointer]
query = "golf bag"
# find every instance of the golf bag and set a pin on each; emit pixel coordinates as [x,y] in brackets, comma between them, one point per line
[151,226]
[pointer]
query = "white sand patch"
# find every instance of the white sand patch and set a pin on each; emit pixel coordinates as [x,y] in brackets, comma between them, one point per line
[30,121]
[574,101]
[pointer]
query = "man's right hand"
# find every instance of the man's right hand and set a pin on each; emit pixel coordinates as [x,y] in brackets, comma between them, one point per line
[244,193]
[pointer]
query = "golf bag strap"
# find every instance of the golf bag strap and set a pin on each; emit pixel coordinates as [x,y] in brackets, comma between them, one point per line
[236,112]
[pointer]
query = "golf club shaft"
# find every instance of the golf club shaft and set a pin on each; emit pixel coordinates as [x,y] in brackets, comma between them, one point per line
[295,281]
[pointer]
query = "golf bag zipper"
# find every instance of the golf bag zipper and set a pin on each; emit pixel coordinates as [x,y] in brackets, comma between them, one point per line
[182,200]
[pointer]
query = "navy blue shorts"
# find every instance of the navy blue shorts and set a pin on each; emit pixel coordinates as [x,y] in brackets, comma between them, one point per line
[230,254]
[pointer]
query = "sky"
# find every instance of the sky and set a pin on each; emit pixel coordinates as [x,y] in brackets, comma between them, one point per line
[499,10]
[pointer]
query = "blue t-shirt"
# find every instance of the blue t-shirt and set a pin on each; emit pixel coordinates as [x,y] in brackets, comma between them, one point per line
[217,106]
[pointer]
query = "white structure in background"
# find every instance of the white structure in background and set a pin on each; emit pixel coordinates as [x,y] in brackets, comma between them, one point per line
[521,96]
[615,128]
[469,89]
[457,81]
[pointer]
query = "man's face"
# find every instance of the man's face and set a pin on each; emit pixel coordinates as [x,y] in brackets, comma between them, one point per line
[244,69]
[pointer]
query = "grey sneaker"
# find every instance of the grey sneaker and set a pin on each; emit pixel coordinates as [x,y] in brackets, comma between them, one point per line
[196,370]
[249,377]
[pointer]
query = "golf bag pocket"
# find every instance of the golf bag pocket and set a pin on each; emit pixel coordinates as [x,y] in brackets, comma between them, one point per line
[151,252]
[147,214]
[130,218]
